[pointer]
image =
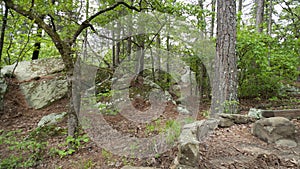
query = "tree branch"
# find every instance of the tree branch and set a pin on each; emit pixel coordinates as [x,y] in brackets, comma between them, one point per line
[86,23]
[40,22]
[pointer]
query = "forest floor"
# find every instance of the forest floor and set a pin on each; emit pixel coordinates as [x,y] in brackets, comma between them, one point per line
[232,147]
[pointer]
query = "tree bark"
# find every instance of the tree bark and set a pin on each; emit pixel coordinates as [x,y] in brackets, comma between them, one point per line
[224,88]
[259,15]
[37,45]
[213,16]
[270,29]
[240,6]
[4,23]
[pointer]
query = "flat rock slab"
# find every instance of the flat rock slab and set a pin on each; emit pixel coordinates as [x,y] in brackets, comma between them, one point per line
[28,70]
[227,120]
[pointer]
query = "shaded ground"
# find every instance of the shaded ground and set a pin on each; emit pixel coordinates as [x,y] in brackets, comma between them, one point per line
[232,147]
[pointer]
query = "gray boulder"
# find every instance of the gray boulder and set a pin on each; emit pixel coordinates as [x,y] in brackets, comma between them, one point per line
[39,94]
[189,140]
[51,119]
[273,129]
[28,70]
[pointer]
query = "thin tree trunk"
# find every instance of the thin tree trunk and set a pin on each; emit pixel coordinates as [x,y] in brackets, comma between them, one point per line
[224,87]
[213,16]
[129,41]
[168,57]
[270,29]
[4,22]
[259,15]
[37,45]
[240,6]
[113,51]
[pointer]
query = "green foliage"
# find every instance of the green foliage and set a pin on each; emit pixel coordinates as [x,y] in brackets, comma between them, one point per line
[75,143]
[42,133]
[228,105]
[263,64]
[172,129]
[24,152]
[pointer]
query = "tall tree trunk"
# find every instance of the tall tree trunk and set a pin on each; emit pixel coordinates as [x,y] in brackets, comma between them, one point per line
[201,19]
[168,58]
[158,42]
[113,51]
[224,87]
[37,44]
[4,22]
[118,45]
[270,29]
[240,6]
[129,41]
[259,15]
[213,16]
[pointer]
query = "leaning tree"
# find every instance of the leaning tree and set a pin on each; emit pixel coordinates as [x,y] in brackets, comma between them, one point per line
[64,42]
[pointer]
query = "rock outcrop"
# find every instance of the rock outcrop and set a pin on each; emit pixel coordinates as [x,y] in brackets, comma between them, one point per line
[277,130]
[189,140]
[42,81]
[227,120]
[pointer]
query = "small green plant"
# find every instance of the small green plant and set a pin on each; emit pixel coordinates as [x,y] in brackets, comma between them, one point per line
[107,109]
[84,164]
[75,142]
[149,128]
[42,133]
[25,152]
[106,154]
[172,130]
[228,106]
[274,98]
[206,113]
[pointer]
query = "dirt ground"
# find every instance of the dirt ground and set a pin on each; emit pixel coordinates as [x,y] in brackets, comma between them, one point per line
[232,147]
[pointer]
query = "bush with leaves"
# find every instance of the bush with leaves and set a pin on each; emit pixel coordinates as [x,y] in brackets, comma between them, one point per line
[263,64]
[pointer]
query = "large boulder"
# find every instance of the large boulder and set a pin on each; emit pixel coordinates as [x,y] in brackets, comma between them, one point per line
[39,94]
[41,80]
[28,70]
[274,129]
